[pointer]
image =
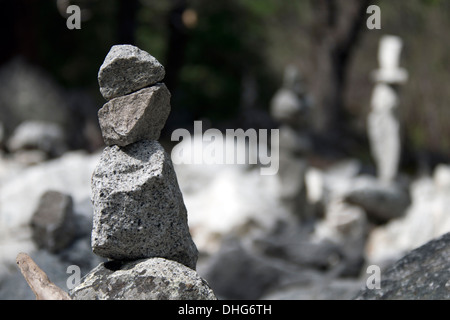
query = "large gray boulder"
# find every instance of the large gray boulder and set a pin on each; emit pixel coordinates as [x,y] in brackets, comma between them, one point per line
[127,69]
[150,279]
[424,273]
[138,207]
[137,116]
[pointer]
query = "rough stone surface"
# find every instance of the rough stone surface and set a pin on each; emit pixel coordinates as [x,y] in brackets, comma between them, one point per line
[53,221]
[423,273]
[137,116]
[150,279]
[127,69]
[138,207]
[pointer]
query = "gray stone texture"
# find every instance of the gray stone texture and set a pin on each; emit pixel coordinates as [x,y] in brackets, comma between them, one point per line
[138,207]
[137,116]
[150,279]
[127,69]
[422,274]
[53,222]
[380,201]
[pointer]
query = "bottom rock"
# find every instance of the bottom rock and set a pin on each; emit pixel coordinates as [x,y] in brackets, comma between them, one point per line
[147,279]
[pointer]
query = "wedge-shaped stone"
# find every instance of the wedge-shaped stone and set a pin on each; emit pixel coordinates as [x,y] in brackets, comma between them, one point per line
[140,115]
[127,69]
[138,207]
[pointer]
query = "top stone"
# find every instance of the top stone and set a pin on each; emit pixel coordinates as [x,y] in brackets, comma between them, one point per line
[127,69]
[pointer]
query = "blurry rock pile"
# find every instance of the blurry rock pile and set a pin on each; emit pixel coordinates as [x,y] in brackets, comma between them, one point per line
[311,231]
[41,120]
[140,221]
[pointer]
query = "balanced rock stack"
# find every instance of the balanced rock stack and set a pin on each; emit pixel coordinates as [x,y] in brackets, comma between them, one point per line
[139,214]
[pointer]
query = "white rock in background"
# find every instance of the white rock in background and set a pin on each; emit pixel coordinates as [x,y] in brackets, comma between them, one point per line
[342,222]
[427,218]
[234,201]
[48,137]
[285,104]
[441,177]
[224,199]
[324,186]
[314,180]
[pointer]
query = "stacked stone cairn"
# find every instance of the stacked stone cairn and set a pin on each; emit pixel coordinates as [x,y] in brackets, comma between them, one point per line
[140,220]
[383,124]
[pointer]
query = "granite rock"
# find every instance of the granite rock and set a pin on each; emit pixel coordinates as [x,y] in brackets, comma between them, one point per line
[139,210]
[150,279]
[422,274]
[127,69]
[137,116]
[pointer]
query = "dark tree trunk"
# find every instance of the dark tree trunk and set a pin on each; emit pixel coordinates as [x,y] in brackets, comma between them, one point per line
[176,43]
[335,33]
